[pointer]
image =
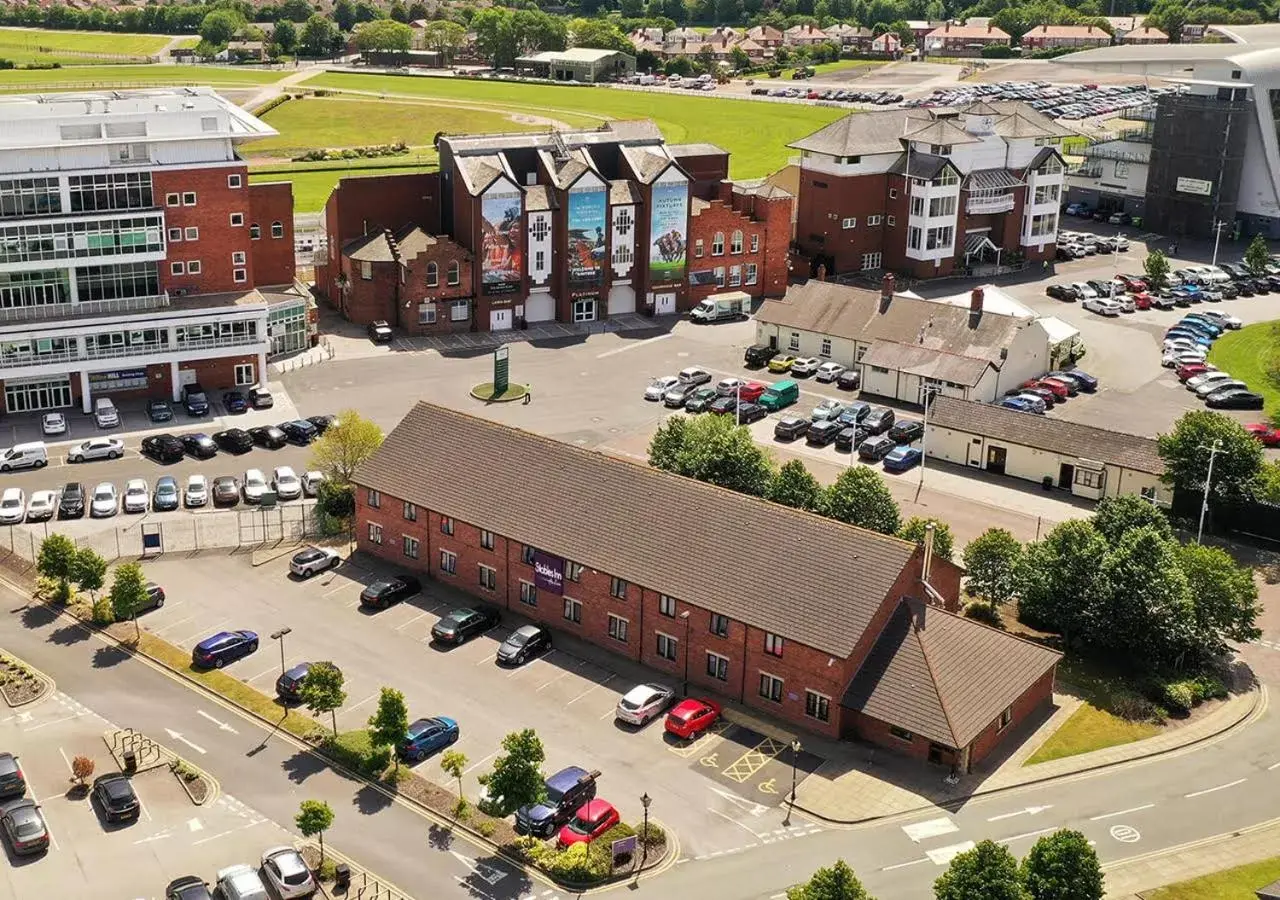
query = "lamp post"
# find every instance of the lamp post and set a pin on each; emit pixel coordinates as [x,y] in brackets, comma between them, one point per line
[279,636]
[1204,504]
[645,800]
[684,688]
[928,391]
[791,801]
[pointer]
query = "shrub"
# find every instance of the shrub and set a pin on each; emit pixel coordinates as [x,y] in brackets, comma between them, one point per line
[355,750]
[328,870]
[1134,707]
[981,611]
[1211,687]
[576,863]
[462,809]
[1179,697]
[601,848]
[486,828]
[998,52]
[103,612]
[652,835]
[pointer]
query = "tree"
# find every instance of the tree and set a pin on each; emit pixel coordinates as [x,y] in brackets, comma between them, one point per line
[705,59]
[445,38]
[322,691]
[739,58]
[667,443]
[285,36]
[344,13]
[55,560]
[314,817]
[1059,579]
[1062,866]
[496,37]
[834,882]
[1186,451]
[1146,617]
[859,496]
[991,560]
[517,779]
[390,722]
[397,11]
[988,871]
[715,450]
[81,768]
[915,528]
[794,485]
[347,443]
[1258,256]
[1156,267]
[1224,595]
[293,11]
[89,570]
[599,34]
[220,26]
[454,764]
[317,39]
[388,36]
[1116,515]
[128,593]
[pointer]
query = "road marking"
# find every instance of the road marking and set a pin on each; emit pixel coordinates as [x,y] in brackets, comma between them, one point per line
[754,808]
[613,713]
[263,672]
[750,831]
[176,736]
[694,747]
[552,681]
[930,829]
[633,345]
[755,759]
[1029,811]
[51,722]
[914,862]
[1122,812]
[1018,837]
[146,812]
[65,760]
[488,659]
[223,834]
[1221,787]
[1273,767]
[153,837]
[164,628]
[411,621]
[1125,834]
[341,587]
[194,825]
[589,690]
[943,855]
[361,703]
[480,762]
[222,726]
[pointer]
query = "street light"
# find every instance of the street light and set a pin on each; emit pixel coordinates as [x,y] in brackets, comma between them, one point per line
[795,755]
[685,687]
[1204,504]
[928,392]
[279,636]
[645,800]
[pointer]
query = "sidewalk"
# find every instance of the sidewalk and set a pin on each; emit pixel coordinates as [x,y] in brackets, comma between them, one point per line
[1128,879]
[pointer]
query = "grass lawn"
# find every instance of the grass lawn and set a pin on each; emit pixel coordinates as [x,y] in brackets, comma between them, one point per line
[312,188]
[25,45]
[756,134]
[80,77]
[839,65]
[1246,354]
[1239,883]
[1093,726]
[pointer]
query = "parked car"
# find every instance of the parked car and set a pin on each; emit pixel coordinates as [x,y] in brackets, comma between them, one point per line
[900,459]
[691,717]
[260,398]
[163,448]
[802,368]
[1267,435]
[849,380]
[1235,398]
[679,394]
[311,482]
[41,506]
[380,332]
[314,560]
[222,648]
[751,412]
[876,448]
[105,414]
[268,436]
[71,501]
[461,625]
[907,431]
[566,790]
[105,502]
[849,437]
[299,431]
[199,445]
[116,797]
[827,409]
[196,493]
[159,411]
[782,362]
[1186,372]
[759,355]
[194,400]
[289,684]
[322,422]
[1087,382]
[96,448]
[790,428]
[384,592]
[643,703]
[167,497]
[13,783]
[254,485]
[24,827]
[1018,404]
[822,432]
[1062,292]
[523,644]
[1102,306]
[701,399]
[286,484]
[241,882]
[154,598]
[53,424]
[658,387]
[1056,388]
[1217,385]
[426,736]
[288,873]
[1084,290]
[1198,381]
[828,372]
[235,402]
[592,819]
[878,420]
[694,375]
[234,440]
[13,506]
[226,491]
[137,496]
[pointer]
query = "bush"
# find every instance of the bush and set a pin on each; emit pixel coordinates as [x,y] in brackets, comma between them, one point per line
[1211,687]
[486,828]
[328,870]
[103,612]
[981,611]
[271,104]
[462,809]
[1134,707]
[998,52]
[1178,697]
[355,750]
[652,836]
[601,848]
[576,863]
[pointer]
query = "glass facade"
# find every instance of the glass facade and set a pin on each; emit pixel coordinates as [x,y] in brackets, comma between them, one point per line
[118,282]
[29,197]
[43,287]
[111,191]
[287,326]
[80,240]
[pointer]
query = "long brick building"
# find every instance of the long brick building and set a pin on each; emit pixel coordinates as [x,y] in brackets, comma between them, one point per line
[656,568]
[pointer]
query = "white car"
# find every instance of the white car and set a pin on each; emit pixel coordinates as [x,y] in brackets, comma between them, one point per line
[1123,300]
[255,485]
[197,491]
[1199,381]
[1221,384]
[288,873]
[1223,319]
[13,506]
[643,703]
[694,375]
[1035,400]
[1180,345]
[311,483]
[41,505]
[827,409]
[1084,290]
[105,413]
[53,423]
[105,501]
[828,371]
[137,497]
[97,448]
[727,387]
[240,882]
[313,560]
[658,388]
[1211,273]
[1181,358]
[805,365]
[1102,306]
[286,484]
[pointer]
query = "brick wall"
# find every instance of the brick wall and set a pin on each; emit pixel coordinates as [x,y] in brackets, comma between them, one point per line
[416,290]
[211,214]
[721,218]
[271,258]
[877,732]
[826,201]
[369,299]
[1035,698]
[706,172]
[219,374]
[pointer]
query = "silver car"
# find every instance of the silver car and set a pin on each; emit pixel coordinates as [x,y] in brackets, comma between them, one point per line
[105,502]
[288,873]
[676,397]
[643,702]
[96,448]
[53,423]
[137,497]
[658,388]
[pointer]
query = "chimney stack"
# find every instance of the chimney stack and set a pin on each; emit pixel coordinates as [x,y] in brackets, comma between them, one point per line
[975,302]
[887,287]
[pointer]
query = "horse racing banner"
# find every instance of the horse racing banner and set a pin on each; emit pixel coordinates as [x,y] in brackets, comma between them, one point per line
[667,224]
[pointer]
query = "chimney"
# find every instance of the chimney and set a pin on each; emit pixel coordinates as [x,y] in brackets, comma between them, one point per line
[1091,29]
[926,564]
[990,28]
[887,286]
[822,271]
[975,302]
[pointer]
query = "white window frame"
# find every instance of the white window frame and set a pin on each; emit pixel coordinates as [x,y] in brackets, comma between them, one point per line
[189,198]
[448,562]
[192,233]
[618,627]
[177,267]
[667,647]
[873,221]
[752,276]
[175,235]
[234,181]
[528,593]
[409,546]
[173,199]
[488,577]
[776,685]
[237,220]
[818,700]
[717,244]
[244,373]
[426,313]
[375,533]
[849,222]
[572,610]
[239,276]
[193,267]
[717,666]
[277,229]
[237,258]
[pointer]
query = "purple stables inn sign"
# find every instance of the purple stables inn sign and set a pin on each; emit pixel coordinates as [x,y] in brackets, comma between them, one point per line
[548,572]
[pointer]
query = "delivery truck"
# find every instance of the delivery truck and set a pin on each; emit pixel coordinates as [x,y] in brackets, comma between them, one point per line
[722,307]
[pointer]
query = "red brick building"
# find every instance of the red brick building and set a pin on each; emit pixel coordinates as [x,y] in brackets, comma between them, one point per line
[1051,37]
[956,39]
[579,543]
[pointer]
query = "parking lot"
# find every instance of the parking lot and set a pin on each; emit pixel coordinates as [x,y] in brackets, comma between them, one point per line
[714,791]
[88,857]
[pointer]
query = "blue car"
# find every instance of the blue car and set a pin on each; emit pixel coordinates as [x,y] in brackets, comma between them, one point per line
[1018,403]
[1190,334]
[166,495]
[224,647]
[1195,320]
[902,458]
[235,402]
[1087,382]
[426,736]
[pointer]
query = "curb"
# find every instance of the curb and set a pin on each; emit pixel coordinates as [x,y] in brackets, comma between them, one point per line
[167,760]
[49,684]
[954,803]
[671,852]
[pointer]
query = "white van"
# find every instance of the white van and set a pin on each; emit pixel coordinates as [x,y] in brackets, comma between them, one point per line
[647,79]
[674,80]
[24,456]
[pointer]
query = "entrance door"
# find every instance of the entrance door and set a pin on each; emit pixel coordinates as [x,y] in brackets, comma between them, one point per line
[664,304]
[1066,475]
[995,459]
[499,320]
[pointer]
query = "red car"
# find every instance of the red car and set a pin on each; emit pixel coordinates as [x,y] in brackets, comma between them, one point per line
[1267,435]
[1132,283]
[752,390]
[1068,383]
[1141,300]
[1057,388]
[592,819]
[1191,370]
[690,718]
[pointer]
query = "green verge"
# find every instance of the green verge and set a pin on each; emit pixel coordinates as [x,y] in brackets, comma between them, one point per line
[1239,883]
[311,188]
[1096,724]
[485,392]
[103,42]
[81,77]
[1248,354]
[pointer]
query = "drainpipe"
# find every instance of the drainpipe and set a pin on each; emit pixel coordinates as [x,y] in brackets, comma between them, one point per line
[926,565]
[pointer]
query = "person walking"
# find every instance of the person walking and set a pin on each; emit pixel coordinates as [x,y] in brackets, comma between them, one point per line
[528,395]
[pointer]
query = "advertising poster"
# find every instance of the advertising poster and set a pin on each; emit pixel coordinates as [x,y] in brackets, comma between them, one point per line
[667,224]
[587,225]
[548,572]
[500,222]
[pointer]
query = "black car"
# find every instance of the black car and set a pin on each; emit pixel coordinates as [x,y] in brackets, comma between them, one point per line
[723,406]
[876,448]
[159,411]
[322,423]
[289,684]
[163,448]
[1259,286]
[854,413]
[382,594]
[1062,292]
[194,400]
[235,402]
[261,399]
[71,501]
[268,436]
[758,355]
[24,827]
[188,887]
[525,642]
[879,420]
[907,431]
[234,440]
[116,797]
[461,624]
[1243,289]
[790,428]
[1236,398]
[751,412]
[379,332]
[850,437]
[199,445]
[822,433]
[299,431]
[12,782]
[849,380]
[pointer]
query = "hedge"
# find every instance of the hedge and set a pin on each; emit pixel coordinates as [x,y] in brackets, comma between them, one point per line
[355,750]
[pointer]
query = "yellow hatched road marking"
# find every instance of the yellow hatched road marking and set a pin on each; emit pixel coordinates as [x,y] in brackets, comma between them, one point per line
[754,760]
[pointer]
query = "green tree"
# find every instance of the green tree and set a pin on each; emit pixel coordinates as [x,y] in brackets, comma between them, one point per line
[344,13]
[1116,515]
[55,561]
[454,764]
[794,485]
[1146,617]
[860,497]
[739,58]
[318,38]
[988,871]
[991,561]
[315,817]
[1156,267]
[1258,256]
[323,691]
[1062,866]
[89,571]
[599,34]
[1223,594]
[293,11]
[285,36]
[834,882]
[444,37]
[914,530]
[1186,451]
[496,37]
[1060,579]
[348,442]
[390,722]
[397,11]
[128,593]
[668,442]
[517,779]
[388,36]
[712,449]
[220,26]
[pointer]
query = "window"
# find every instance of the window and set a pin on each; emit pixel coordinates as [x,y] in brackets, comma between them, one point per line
[719,625]
[848,223]
[735,276]
[697,248]
[410,547]
[717,244]
[488,577]
[189,198]
[175,235]
[939,238]
[666,605]
[237,258]
[718,271]
[584,310]
[459,311]
[817,706]
[825,347]
[1005,718]
[177,268]
[1122,169]
[891,221]
[172,200]
[735,242]
[618,628]
[1090,478]
[193,267]
[277,229]
[255,232]
[718,666]
[239,276]
[233,181]
[940,149]
[793,343]
[526,555]
[943,206]
[751,273]
[366,270]
[573,610]
[448,562]
[773,645]
[244,374]
[433,275]
[1048,193]
[617,588]
[872,221]
[901,733]
[375,499]
[668,647]
[770,687]
[893,193]
[755,243]
[914,237]
[871,260]
[237,220]
[454,273]
[947,176]
[574,572]
[1044,225]
[410,512]
[486,539]
[917,206]
[528,594]
[539,260]
[539,228]
[426,313]
[446,525]
[375,533]
[192,233]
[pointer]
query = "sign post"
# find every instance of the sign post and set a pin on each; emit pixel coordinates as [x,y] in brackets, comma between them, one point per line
[501,370]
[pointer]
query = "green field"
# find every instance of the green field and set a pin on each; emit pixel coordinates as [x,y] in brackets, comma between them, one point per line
[40,45]
[81,77]
[1239,883]
[311,188]
[1095,725]
[755,134]
[1248,354]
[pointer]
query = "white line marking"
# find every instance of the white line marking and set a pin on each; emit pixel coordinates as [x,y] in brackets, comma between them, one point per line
[943,855]
[225,833]
[1273,767]
[914,862]
[361,703]
[480,762]
[260,674]
[753,833]
[610,714]
[1221,787]
[1121,812]
[146,812]
[1018,837]
[153,837]
[410,622]
[589,690]
[488,659]
[932,828]
[51,722]
[551,682]
[633,345]
[194,825]
[65,760]
[162,629]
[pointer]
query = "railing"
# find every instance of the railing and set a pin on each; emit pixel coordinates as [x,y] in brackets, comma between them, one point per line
[1107,151]
[1141,113]
[212,343]
[84,308]
[1143,134]
[981,205]
[118,350]
[1085,170]
[18,360]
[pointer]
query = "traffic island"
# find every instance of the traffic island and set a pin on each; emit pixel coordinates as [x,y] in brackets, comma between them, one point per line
[488,393]
[134,753]
[19,683]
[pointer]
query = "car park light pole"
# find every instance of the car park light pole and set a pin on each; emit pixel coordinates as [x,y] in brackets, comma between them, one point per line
[645,800]
[1217,236]
[685,686]
[1204,505]
[791,801]
[279,636]
[927,391]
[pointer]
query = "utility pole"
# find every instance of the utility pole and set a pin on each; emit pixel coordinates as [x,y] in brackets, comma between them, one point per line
[1217,238]
[928,391]
[1204,505]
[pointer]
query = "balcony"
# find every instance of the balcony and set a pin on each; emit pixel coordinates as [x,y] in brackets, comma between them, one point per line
[17,360]
[1142,135]
[84,308]
[1141,113]
[985,204]
[1085,170]
[1119,150]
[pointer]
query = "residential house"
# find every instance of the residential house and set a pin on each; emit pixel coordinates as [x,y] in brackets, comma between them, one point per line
[955,39]
[1055,37]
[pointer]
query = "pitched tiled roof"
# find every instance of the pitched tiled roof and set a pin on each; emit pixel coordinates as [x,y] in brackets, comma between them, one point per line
[539,198]
[375,247]
[603,511]
[926,362]
[1129,451]
[622,192]
[703,149]
[969,32]
[1068,31]
[865,134]
[944,677]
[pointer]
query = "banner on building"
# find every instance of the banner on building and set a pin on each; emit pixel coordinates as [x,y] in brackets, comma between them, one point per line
[501,243]
[668,220]
[1195,186]
[548,572]
[587,223]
